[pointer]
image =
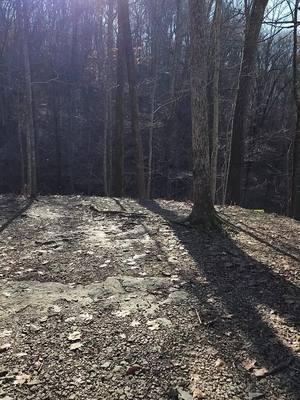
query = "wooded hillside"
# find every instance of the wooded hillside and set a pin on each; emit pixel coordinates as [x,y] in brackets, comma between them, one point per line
[95,98]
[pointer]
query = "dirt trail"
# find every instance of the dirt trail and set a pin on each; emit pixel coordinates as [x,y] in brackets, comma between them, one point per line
[110,299]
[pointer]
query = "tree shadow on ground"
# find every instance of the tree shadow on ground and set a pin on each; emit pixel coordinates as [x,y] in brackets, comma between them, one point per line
[281,246]
[250,297]
[11,207]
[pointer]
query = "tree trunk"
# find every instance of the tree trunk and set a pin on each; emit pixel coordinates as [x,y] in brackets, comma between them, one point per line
[133,97]
[107,160]
[153,94]
[295,192]
[215,90]
[172,125]
[31,178]
[253,27]
[203,210]
[118,147]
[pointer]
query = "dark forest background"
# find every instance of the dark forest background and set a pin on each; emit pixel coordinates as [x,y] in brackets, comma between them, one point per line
[72,47]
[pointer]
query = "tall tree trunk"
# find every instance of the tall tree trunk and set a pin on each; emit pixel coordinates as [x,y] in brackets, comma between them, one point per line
[21,146]
[215,90]
[118,145]
[203,210]
[107,159]
[31,178]
[133,97]
[295,195]
[153,93]
[253,27]
[172,125]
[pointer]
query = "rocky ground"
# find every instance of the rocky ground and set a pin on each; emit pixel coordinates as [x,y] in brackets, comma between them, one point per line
[111,299]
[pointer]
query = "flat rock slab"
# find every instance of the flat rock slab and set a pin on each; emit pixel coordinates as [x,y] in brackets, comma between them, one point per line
[129,294]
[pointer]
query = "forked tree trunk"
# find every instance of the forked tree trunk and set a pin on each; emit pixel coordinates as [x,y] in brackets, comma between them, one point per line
[203,212]
[234,182]
[133,97]
[295,192]
[118,142]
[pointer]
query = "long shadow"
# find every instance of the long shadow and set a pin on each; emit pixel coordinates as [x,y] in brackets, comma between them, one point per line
[12,210]
[246,290]
[280,246]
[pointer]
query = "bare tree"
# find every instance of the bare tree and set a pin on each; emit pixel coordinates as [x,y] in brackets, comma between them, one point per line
[133,96]
[203,210]
[118,145]
[253,27]
[154,54]
[215,89]
[31,170]
[295,195]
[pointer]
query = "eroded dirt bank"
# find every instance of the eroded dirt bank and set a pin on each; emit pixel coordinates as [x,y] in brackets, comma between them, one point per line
[110,299]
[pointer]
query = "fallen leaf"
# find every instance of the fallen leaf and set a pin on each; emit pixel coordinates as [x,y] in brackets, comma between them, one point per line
[19,355]
[70,319]
[74,336]
[56,309]
[249,365]
[5,333]
[5,347]
[133,369]
[135,323]
[255,395]
[86,317]
[106,364]
[219,363]
[260,372]
[75,346]
[33,382]
[198,394]
[22,378]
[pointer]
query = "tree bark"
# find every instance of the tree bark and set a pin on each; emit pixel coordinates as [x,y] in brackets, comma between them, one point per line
[133,97]
[203,212]
[295,192]
[253,27]
[31,177]
[118,148]
[215,90]
[107,159]
[155,40]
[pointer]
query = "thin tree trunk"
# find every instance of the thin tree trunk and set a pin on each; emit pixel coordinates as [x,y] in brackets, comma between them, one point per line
[118,147]
[216,79]
[108,104]
[172,119]
[153,95]
[203,210]
[133,97]
[31,178]
[295,192]
[253,27]
[21,148]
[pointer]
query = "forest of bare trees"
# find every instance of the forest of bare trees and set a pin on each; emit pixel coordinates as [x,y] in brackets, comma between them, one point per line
[113,97]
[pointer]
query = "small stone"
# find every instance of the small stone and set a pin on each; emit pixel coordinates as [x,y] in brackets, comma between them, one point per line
[106,365]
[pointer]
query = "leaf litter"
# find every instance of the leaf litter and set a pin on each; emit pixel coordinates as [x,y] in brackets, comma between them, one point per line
[142,337]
